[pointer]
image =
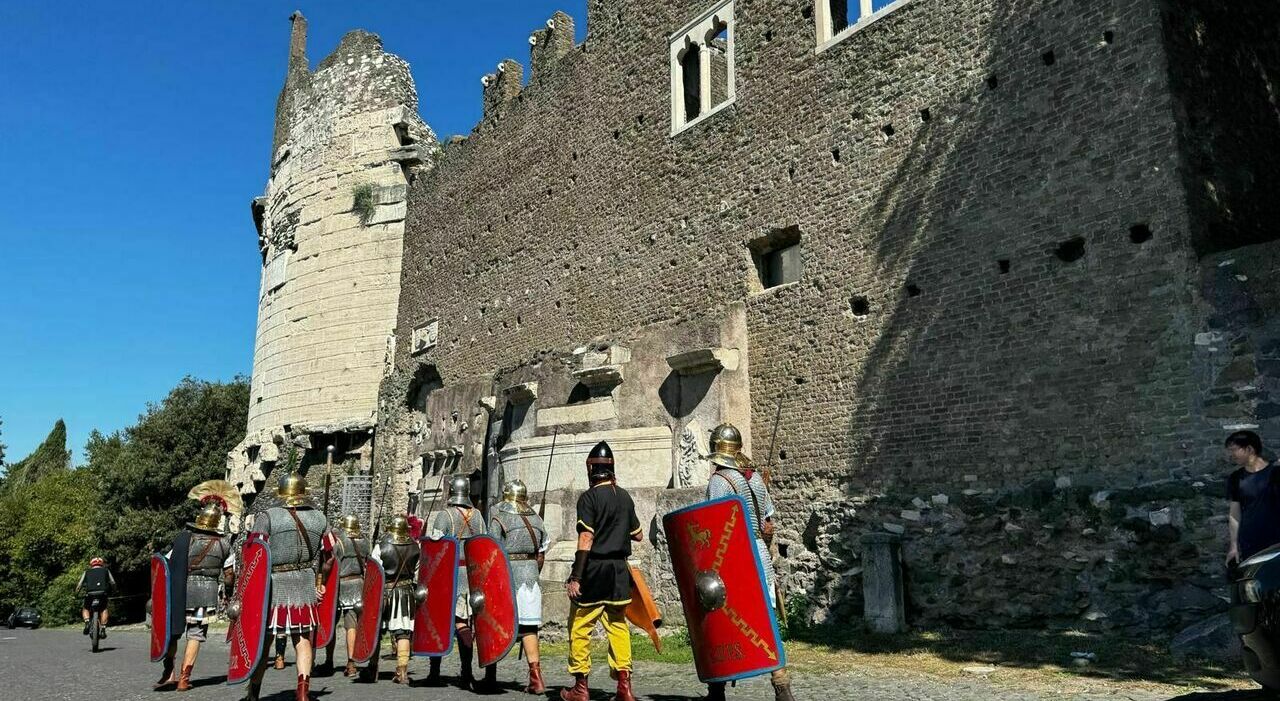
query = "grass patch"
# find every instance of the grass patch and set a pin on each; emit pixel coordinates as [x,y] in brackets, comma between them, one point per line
[675,649]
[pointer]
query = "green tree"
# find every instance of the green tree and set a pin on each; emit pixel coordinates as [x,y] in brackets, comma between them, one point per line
[144,472]
[49,457]
[2,446]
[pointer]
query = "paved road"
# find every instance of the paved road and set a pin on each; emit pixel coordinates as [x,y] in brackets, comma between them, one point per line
[57,664]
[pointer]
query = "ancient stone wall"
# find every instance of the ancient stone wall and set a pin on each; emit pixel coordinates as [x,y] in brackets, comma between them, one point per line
[998,286]
[331,223]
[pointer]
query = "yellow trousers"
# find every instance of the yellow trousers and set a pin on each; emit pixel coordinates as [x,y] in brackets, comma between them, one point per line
[582,621]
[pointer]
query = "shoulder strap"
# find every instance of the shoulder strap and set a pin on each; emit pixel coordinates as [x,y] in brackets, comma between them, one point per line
[302,533]
[527,527]
[208,544]
[466,518]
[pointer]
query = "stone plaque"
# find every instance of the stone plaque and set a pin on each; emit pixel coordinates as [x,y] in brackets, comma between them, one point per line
[425,336]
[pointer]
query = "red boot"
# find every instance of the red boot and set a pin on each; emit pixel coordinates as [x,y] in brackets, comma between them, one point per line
[578,692]
[624,687]
[184,679]
[303,692]
[535,685]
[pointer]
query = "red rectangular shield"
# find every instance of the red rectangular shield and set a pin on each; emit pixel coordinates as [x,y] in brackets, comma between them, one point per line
[369,624]
[159,606]
[327,609]
[433,621]
[732,624]
[248,629]
[493,598]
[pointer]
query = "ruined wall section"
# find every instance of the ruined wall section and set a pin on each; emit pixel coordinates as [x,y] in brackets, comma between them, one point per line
[974,299]
[331,225]
[998,283]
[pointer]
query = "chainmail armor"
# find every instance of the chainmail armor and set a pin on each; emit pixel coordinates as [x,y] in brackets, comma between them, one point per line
[208,554]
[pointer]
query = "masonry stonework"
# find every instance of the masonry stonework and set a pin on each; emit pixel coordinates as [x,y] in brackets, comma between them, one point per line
[1019,325]
[345,132]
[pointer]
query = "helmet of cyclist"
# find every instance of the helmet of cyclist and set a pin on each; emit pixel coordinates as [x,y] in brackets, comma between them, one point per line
[97,562]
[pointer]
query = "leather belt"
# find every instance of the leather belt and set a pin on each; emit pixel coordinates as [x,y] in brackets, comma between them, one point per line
[291,568]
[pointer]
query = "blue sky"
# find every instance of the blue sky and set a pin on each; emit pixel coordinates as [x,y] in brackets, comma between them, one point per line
[132,137]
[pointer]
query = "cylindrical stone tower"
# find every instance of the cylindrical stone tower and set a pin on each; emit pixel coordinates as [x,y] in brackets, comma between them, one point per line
[348,139]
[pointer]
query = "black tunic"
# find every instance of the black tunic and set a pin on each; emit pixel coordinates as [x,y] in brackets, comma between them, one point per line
[608,513]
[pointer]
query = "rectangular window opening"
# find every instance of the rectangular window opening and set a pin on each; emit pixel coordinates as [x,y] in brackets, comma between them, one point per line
[837,17]
[777,258]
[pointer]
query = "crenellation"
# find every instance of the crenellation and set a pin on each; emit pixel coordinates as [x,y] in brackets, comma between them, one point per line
[550,44]
[502,86]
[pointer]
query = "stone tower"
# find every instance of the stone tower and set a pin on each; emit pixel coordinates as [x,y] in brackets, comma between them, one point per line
[348,141]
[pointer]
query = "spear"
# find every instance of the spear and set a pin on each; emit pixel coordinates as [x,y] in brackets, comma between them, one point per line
[542,508]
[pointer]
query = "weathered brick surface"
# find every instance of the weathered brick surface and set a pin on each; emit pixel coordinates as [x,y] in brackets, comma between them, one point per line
[979,172]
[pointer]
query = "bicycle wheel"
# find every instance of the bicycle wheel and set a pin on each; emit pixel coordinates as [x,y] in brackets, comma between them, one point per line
[95,625]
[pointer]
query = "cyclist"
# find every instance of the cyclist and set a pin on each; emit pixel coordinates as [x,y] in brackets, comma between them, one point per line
[96,583]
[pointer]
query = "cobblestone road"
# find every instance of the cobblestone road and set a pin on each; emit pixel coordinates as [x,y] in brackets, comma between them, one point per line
[57,664]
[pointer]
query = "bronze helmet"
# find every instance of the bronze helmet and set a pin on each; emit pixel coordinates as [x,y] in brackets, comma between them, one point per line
[515,492]
[351,524]
[210,517]
[726,444]
[399,530]
[292,489]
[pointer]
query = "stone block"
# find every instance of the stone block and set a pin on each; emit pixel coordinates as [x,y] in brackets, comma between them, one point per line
[882,587]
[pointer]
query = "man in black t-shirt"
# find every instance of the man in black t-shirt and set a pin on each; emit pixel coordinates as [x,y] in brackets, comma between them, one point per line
[600,585]
[1254,511]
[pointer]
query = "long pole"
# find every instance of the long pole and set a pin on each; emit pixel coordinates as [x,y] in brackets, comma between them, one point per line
[780,602]
[328,479]
[542,508]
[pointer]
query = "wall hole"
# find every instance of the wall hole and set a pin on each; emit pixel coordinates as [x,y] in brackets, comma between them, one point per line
[1139,233]
[993,82]
[1071,250]
[1108,37]
[617,134]
[806,11]
[791,173]
[835,155]
[639,120]
[777,257]
[859,305]
[575,155]
[912,290]
[887,130]
[925,115]
[1048,58]
[782,454]
[768,35]
[1004,266]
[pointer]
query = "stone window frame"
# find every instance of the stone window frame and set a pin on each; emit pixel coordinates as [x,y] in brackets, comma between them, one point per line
[866,17]
[699,31]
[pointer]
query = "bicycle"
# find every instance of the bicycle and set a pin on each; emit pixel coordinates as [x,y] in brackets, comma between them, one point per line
[97,602]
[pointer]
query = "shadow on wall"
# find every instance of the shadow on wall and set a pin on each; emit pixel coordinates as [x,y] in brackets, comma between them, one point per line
[1016,329]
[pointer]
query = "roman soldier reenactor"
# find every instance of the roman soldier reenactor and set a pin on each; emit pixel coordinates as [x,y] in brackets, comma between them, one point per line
[461,520]
[524,537]
[200,563]
[349,549]
[599,586]
[399,555]
[294,534]
[734,475]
